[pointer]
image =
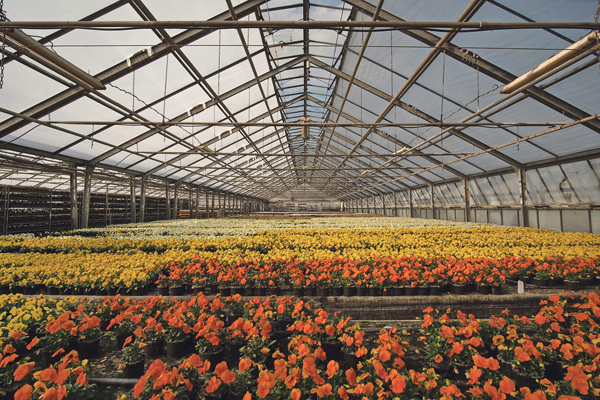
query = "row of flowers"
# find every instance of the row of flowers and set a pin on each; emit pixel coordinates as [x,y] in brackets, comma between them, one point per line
[376,272]
[94,271]
[240,227]
[329,243]
[551,355]
[119,263]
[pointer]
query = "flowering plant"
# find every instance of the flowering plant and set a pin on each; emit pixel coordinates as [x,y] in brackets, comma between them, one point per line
[67,378]
[132,352]
[218,380]
[160,379]
[152,332]
[208,334]
[89,328]
[59,332]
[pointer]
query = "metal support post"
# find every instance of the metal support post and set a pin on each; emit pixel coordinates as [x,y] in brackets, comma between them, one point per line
[87,192]
[73,201]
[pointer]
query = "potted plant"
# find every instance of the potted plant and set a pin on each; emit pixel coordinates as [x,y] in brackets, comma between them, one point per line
[58,338]
[133,358]
[244,379]
[73,382]
[177,334]
[163,285]
[153,335]
[89,335]
[208,339]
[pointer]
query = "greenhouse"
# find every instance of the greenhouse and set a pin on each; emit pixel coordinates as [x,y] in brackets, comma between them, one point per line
[273,199]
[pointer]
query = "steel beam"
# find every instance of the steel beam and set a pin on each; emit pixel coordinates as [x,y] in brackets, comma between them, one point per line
[484,66]
[121,69]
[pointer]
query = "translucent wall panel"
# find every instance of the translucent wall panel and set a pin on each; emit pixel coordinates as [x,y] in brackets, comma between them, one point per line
[575,220]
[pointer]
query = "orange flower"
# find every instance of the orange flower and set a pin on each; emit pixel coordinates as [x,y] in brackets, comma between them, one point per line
[322,391]
[308,367]
[384,355]
[561,397]
[521,355]
[127,341]
[438,359]
[343,393]
[24,393]
[498,339]
[213,384]
[332,368]
[457,348]
[296,394]
[507,385]
[351,377]
[494,393]
[50,394]
[247,396]
[280,369]
[266,381]
[33,342]
[446,332]
[82,380]
[48,375]
[578,379]
[474,375]
[398,384]
[427,321]
[9,349]
[244,364]
[330,330]
[22,370]
[538,395]
[549,385]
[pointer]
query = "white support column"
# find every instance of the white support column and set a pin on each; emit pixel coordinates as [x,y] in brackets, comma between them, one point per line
[432,195]
[143,199]
[176,201]
[73,198]
[522,173]
[467,195]
[212,206]
[168,201]
[132,207]
[197,206]
[207,204]
[87,192]
[410,203]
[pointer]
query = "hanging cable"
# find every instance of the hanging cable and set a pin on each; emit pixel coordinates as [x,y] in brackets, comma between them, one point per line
[165,93]
[442,105]
[2,18]
[596,16]
[392,81]
[133,92]
[478,88]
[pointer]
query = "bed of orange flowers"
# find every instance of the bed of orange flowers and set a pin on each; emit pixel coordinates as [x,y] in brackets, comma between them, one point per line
[279,347]
[380,272]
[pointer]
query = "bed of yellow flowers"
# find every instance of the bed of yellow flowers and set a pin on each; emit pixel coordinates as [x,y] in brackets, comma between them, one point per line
[128,263]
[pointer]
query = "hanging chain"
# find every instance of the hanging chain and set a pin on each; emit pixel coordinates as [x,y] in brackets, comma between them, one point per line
[443,89]
[165,90]
[219,67]
[133,93]
[596,16]
[478,88]
[392,78]
[2,18]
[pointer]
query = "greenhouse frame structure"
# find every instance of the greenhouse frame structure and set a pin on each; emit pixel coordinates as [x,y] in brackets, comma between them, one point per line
[130,110]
